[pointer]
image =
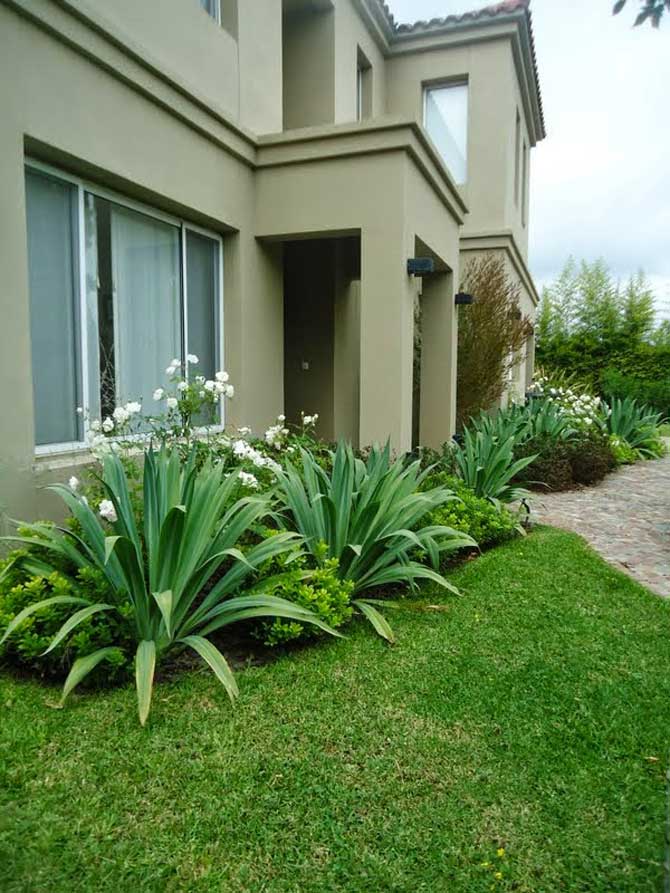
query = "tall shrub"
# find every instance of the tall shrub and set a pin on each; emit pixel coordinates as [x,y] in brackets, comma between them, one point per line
[491,333]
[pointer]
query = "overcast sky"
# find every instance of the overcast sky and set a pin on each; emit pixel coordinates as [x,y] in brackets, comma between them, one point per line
[601,180]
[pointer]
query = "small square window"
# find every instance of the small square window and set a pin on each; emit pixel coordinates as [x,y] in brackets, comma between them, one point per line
[213,7]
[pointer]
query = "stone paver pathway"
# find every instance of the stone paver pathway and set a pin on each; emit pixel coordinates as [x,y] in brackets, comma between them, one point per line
[626,519]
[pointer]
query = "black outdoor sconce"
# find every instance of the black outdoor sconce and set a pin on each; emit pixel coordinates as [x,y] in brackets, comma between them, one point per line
[463,298]
[420,266]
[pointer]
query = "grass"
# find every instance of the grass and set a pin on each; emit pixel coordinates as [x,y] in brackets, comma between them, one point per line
[530,715]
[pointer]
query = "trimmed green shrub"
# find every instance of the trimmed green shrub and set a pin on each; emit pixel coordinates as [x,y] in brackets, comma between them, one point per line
[559,465]
[591,458]
[550,469]
[654,392]
[319,590]
[19,589]
[623,452]
[489,525]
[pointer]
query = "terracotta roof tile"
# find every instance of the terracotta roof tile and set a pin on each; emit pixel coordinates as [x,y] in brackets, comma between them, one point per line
[474,15]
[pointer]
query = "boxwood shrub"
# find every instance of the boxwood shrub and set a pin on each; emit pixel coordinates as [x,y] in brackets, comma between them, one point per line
[23,649]
[474,515]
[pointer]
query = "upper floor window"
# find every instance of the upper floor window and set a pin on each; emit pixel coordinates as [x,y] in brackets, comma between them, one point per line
[363,87]
[445,117]
[213,7]
[116,292]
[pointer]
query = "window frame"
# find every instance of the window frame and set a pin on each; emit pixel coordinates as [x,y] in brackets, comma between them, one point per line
[184,226]
[524,185]
[217,11]
[441,83]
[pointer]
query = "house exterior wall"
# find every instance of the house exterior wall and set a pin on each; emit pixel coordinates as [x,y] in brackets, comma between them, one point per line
[350,35]
[116,136]
[164,106]
[488,70]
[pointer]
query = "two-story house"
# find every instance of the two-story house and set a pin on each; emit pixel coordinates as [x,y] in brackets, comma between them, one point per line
[246,180]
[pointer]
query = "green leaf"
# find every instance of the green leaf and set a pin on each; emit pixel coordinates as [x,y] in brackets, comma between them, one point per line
[110,545]
[38,606]
[378,621]
[165,603]
[216,661]
[83,666]
[74,621]
[145,664]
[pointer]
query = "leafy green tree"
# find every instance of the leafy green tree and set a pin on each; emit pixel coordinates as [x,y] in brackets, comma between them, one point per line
[596,314]
[661,337]
[652,11]
[637,308]
[605,333]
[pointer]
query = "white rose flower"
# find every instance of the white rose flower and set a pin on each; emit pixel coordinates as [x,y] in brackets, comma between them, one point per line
[244,431]
[200,379]
[108,425]
[191,358]
[73,484]
[172,402]
[121,415]
[107,510]
[95,425]
[249,480]
[210,386]
[182,386]
[158,394]
[230,391]
[281,418]
[133,408]
[222,376]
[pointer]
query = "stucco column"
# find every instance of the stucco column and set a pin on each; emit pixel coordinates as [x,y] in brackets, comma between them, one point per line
[386,345]
[439,350]
[17,438]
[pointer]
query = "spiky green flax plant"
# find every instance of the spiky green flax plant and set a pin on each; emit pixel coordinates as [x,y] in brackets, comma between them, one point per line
[175,576]
[369,516]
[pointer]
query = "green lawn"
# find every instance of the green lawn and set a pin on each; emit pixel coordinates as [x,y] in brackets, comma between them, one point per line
[532,714]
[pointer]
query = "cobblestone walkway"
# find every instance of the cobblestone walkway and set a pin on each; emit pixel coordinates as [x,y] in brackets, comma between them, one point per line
[626,519]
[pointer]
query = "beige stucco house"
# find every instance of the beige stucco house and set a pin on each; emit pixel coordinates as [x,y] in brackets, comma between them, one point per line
[246,180]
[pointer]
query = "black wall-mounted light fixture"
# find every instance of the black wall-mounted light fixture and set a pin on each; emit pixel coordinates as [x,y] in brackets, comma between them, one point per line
[463,298]
[420,266]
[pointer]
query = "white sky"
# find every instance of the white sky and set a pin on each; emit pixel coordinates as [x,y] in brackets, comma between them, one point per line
[601,180]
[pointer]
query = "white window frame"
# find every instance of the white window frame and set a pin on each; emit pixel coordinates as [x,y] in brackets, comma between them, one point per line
[184,226]
[427,86]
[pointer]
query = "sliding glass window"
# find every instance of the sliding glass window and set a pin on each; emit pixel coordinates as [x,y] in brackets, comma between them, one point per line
[151,291]
[51,211]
